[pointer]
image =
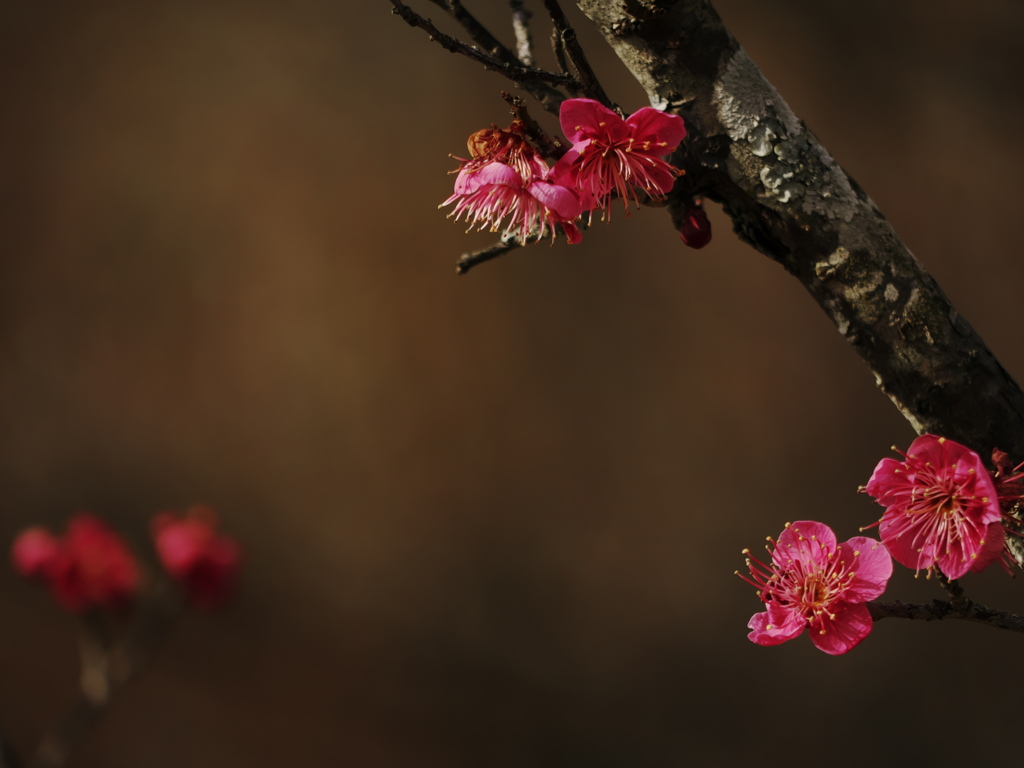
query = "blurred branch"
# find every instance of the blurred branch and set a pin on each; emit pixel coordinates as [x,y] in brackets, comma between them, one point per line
[788,198]
[107,667]
[940,610]
[521,29]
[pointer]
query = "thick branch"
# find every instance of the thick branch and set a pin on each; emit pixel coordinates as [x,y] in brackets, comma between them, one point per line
[789,199]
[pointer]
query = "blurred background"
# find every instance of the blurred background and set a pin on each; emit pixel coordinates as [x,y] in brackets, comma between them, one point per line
[488,520]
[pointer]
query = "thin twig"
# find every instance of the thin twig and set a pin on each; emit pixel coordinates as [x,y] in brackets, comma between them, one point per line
[558,46]
[590,85]
[521,28]
[939,610]
[539,83]
[550,149]
[469,260]
[478,33]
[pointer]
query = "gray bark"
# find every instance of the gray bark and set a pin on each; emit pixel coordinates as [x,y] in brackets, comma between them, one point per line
[791,201]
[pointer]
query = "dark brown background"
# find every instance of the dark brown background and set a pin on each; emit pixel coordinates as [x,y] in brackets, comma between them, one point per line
[491,520]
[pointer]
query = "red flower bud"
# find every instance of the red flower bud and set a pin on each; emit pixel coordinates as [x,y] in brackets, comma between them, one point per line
[696,229]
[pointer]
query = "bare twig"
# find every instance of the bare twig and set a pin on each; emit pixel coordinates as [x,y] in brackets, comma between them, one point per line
[469,260]
[539,83]
[558,46]
[590,85]
[478,33]
[521,28]
[939,610]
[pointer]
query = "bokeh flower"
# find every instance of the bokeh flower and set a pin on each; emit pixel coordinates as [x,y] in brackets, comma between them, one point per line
[941,508]
[204,561]
[811,581]
[90,567]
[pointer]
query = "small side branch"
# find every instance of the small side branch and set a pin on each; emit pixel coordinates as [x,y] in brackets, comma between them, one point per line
[939,610]
[539,83]
[478,33]
[469,260]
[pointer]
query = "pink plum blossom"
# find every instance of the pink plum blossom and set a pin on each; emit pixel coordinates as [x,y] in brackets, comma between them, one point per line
[941,508]
[612,155]
[814,582]
[497,196]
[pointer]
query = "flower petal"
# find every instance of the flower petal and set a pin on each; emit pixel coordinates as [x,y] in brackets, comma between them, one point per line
[662,129]
[852,624]
[556,198]
[872,564]
[766,632]
[585,118]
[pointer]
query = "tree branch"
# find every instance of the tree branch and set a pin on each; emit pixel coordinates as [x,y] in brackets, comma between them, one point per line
[570,47]
[469,260]
[939,610]
[539,83]
[790,200]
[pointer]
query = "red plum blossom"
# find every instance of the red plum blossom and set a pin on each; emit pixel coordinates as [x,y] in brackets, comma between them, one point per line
[611,155]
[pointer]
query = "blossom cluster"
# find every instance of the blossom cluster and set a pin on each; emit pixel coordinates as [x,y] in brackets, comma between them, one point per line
[91,567]
[944,510]
[505,185]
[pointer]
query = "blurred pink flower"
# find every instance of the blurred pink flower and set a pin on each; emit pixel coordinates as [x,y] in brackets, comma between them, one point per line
[203,561]
[610,154]
[90,567]
[941,508]
[814,582]
[33,553]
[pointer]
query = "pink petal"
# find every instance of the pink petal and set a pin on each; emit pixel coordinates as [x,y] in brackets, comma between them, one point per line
[585,118]
[661,128]
[556,198]
[766,632]
[872,565]
[804,540]
[887,476]
[852,624]
[498,173]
